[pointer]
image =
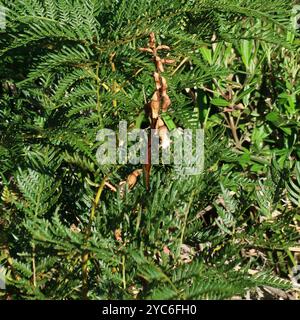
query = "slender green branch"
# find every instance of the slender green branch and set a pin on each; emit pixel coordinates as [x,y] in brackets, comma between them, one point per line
[86,254]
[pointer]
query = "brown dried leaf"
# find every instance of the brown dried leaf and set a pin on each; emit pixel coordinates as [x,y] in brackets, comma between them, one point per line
[159,64]
[157,80]
[166,250]
[146,50]
[118,235]
[155,104]
[166,103]
[74,228]
[132,178]
[110,186]
[168,61]
[152,40]
[163,47]
[164,137]
[164,85]
[159,122]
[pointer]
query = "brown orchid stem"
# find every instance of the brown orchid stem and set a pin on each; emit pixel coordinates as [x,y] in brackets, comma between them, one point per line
[160,99]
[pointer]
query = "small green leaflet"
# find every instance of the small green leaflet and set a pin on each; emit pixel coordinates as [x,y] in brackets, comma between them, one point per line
[140,118]
[220,102]
[168,121]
